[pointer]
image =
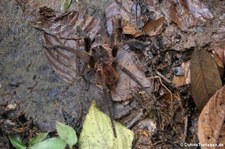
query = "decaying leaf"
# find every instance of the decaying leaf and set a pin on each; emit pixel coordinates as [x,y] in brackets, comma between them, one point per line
[62,29]
[123,90]
[114,10]
[97,132]
[220,51]
[184,79]
[187,13]
[205,77]
[154,27]
[211,126]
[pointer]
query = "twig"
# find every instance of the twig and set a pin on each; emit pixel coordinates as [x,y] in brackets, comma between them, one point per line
[163,77]
[185,128]
[160,80]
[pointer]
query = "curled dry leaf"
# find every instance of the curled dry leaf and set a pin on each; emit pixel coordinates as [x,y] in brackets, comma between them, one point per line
[130,29]
[62,29]
[123,90]
[153,27]
[211,126]
[219,56]
[220,51]
[205,77]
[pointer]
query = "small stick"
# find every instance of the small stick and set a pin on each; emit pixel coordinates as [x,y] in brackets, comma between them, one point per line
[160,80]
[163,77]
[185,127]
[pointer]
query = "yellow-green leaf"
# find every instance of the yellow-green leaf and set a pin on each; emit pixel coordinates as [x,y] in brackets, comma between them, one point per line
[66,133]
[38,138]
[52,143]
[97,132]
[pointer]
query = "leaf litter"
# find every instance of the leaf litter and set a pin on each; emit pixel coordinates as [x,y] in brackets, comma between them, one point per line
[154,55]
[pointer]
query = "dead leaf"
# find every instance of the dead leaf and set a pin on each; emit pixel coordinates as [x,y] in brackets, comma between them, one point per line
[130,29]
[176,19]
[123,90]
[114,10]
[62,29]
[219,64]
[220,51]
[211,126]
[187,13]
[205,77]
[154,27]
[185,79]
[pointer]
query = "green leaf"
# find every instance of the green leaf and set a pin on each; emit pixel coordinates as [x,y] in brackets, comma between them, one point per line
[65,4]
[52,143]
[17,143]
[38,138]
[97,132]
[66,133]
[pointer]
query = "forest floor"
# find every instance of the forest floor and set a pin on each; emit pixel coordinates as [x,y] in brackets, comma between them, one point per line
[33,96]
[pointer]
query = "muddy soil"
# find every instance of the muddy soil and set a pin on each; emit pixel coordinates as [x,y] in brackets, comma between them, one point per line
[28,82]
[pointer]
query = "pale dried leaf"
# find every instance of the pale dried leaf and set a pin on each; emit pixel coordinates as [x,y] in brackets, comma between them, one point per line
[114,10]
[187,13]
[126,85]
[205,77]
[211,126]
[130,29]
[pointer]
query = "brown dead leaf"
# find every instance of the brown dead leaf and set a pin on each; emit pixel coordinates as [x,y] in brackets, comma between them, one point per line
[125,85]
[185,79]
[205,77]
[130,29]
[154,27]
[211,126]
[219,64]
[62,29]
[176,19]
[220,51]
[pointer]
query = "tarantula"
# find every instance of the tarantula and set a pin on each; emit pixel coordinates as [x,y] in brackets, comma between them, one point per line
[72,47]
